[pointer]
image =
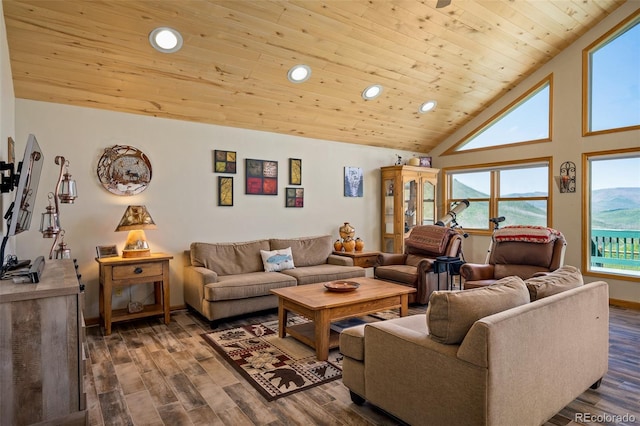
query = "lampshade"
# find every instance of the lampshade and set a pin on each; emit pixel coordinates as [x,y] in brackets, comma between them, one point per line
[136,220]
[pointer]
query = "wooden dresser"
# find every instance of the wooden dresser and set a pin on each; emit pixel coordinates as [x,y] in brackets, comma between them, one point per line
[41,349]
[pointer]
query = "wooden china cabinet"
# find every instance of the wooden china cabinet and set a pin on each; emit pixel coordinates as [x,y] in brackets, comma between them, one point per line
[408,199]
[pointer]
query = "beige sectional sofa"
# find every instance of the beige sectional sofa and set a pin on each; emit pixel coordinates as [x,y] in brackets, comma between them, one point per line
[513,353]
[222,280]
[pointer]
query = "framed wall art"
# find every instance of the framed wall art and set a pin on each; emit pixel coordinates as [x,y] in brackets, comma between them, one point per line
[261,177]
[224,161]
[225,191]
[294,197]
[295,171]
[353,182]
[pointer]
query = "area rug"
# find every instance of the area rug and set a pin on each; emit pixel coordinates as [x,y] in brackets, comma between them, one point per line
[275,366]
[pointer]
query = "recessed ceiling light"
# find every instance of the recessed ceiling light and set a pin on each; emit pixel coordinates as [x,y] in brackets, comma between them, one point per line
[299,74]
[371,92]
[165,40]
[427,106]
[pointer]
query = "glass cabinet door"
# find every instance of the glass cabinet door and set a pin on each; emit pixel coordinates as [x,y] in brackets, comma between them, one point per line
[428,203]
[389,216]
[410,204]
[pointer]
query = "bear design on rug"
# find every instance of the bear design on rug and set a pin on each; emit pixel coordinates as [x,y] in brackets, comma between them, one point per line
[286,376]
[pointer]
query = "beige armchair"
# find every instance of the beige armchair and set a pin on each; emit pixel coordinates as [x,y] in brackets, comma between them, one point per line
[414,268]
[524,251]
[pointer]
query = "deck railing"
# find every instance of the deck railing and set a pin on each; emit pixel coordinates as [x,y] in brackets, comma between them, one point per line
[616,249]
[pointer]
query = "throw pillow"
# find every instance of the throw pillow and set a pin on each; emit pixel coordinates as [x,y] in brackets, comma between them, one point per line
[451,314]
[277,260]
[562,279]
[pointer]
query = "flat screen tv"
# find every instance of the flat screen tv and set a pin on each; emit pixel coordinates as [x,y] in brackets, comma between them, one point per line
[20,211]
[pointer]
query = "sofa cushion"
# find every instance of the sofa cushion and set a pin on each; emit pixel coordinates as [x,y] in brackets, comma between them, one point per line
[244,286]
[277,260]
[399,273]
[451,314]
[323,273]
[562,279]
[229,258]
[306,251]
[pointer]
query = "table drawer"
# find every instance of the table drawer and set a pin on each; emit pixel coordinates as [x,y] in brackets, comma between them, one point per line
[137,270]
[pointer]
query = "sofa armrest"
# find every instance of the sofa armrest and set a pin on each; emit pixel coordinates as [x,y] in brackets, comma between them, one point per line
[336,259]
[391,259]
[476,271]
[195,278]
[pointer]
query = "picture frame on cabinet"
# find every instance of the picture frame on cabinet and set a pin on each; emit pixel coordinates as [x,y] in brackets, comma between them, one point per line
[106,251]
[425,161]
[225,191]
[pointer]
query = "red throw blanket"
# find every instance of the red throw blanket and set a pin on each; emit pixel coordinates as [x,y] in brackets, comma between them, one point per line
[430,238]
[530,234]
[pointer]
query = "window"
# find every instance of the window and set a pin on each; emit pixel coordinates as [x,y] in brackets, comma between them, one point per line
[612,214]
[518,192]
[612,80]
[526,120]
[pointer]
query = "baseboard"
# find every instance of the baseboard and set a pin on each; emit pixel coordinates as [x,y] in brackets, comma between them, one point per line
[625,304]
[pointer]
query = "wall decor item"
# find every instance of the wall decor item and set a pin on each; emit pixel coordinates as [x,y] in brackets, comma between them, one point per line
[353,182]
[425,161]
[295,197]
[11,150]
[567,178]
[224,161]
[261,177]
[124,170]
[106,251]
[225,191]
[295,171]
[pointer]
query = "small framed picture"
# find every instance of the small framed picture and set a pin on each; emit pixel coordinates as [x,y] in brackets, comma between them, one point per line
[106,251]
[425,161]
[225,191]
[295,197]
[295,171]
[224,161]
[353,182]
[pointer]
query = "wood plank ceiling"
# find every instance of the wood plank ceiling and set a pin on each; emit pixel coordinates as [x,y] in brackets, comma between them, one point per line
[232,68]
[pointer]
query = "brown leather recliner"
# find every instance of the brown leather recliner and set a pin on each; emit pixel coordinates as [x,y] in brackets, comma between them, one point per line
[517,250]
[414,268]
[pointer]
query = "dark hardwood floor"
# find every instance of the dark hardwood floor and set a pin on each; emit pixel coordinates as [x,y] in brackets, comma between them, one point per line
[149,373]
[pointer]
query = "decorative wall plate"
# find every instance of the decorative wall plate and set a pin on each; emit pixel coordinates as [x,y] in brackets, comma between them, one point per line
[124,170]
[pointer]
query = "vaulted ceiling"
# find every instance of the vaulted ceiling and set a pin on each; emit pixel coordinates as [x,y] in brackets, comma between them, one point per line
[232,68]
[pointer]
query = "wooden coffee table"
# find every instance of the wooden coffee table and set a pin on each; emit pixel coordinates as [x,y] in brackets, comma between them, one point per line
[322,306]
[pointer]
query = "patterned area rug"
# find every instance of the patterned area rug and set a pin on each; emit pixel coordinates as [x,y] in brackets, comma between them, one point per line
[278,367]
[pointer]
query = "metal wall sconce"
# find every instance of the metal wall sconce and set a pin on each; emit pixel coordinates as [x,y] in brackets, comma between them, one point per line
[567,179]
[65,193]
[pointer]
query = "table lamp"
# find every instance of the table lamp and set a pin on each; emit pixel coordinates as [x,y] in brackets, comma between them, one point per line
[136,220]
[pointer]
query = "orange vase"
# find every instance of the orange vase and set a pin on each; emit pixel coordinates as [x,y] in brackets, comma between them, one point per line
[349,244]
[337,246]
[359,244]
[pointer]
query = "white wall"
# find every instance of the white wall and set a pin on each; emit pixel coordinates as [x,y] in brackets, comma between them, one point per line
[7,107]
[182,195]
[567,145]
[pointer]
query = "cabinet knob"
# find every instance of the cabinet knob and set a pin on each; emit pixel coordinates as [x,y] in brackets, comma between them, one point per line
[138,270]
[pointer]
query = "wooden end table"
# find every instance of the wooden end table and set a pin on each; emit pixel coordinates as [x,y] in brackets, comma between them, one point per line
[364,259]
[322,306]
[119,271]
